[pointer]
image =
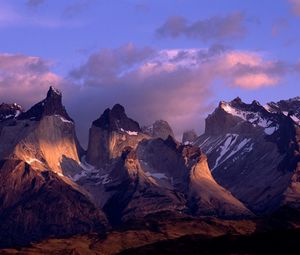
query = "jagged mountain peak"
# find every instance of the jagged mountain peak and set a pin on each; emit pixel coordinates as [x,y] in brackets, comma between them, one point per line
[115,119]
[118,110]
[237,100]
[238,104]
[160,128]
[289,107]
[53,92]
[9,111]
[189,136]
[51,105]
[236,113]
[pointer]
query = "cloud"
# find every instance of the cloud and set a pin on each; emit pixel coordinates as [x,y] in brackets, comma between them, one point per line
[278,26]
[250,70]
[24,78]
[8,16]
[295,5]
[214,28]
[142,7]
[11,16]
[34,3]
[104,67]
[73,9]
[172,84]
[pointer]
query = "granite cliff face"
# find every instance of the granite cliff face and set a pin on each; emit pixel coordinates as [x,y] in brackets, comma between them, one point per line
[159,129]
[246,163]
[110,135]
[253,151]
[44,136]
[132,174]
[36,201]
[189,137]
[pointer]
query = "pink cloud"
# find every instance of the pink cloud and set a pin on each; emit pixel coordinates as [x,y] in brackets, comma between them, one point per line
[250,70]
[24,78]
[171,84]
[254,81]
[295,4]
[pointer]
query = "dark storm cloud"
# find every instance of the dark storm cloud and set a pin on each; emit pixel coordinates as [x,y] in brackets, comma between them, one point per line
[213,28]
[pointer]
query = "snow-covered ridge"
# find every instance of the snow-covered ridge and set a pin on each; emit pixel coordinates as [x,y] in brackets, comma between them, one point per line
[255,118]
[290,107]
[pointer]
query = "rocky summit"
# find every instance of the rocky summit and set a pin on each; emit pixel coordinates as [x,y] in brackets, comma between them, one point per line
[253,151]
[141,184]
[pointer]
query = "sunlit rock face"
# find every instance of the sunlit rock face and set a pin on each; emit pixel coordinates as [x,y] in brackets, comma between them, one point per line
[206,196]
[147,175]
[159,129]
[44,136]
[37,148]
[253,151]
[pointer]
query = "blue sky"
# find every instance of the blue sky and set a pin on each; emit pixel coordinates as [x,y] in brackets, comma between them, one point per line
[103,52]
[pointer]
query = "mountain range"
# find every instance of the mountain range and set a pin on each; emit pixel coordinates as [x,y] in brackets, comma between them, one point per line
[239,177]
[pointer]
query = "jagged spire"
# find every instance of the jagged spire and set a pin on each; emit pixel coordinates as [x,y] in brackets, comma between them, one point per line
[115,119]
[51,105]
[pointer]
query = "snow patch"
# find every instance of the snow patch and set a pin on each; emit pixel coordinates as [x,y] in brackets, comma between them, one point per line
[228,141]
[63,119]
[270,130]
[129,132]
[295,119]
[156,175]
[17,113]
[91,172]
[32,160]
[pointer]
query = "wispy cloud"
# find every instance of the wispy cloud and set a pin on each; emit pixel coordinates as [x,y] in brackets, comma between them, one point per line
[213,28]
[279,26]
[24,78]
[171,84]
[10,16]
[34,3]
[295,5]
[76,7]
